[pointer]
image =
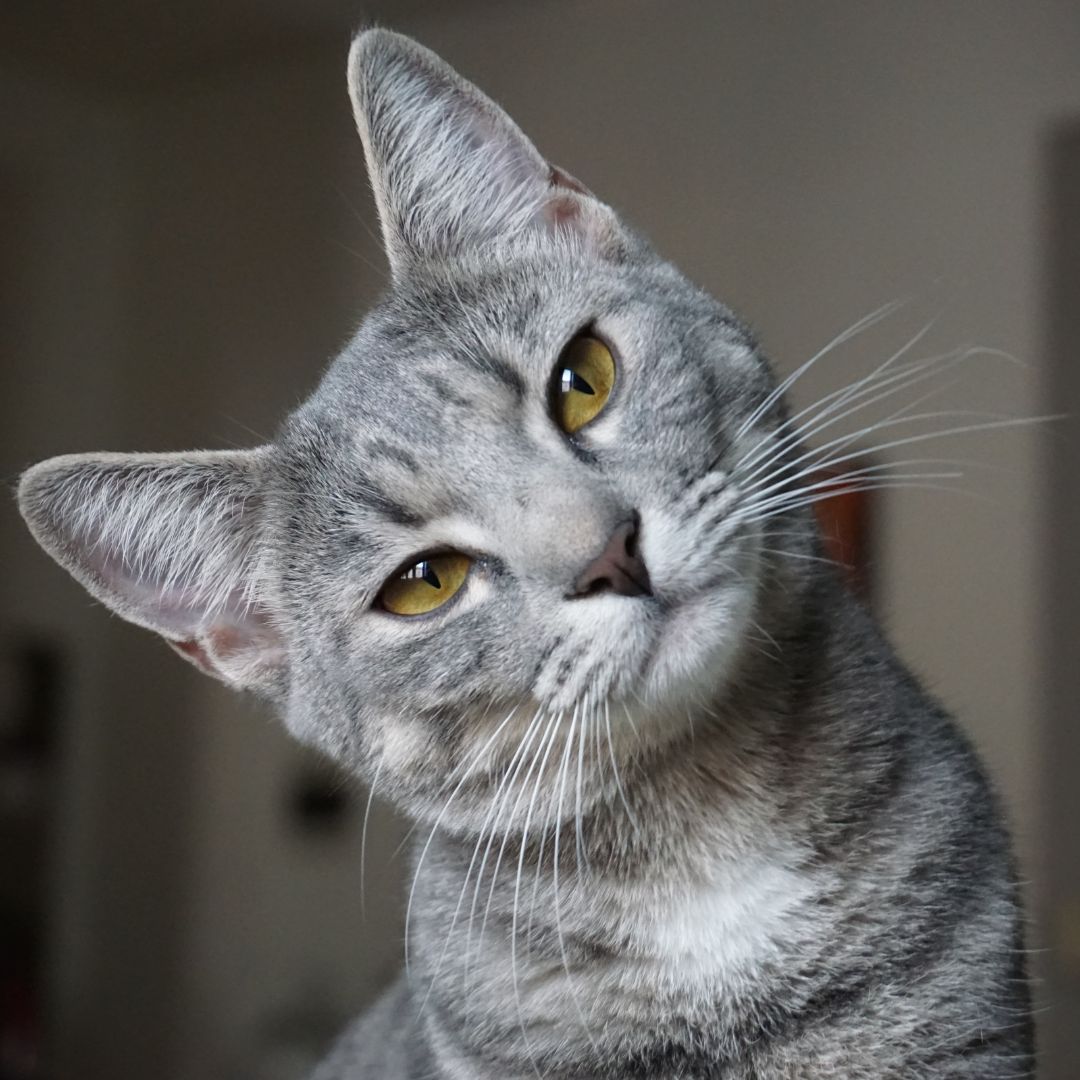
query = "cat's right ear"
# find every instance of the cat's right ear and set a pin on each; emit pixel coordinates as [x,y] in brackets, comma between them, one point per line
[451,172]
[171,542]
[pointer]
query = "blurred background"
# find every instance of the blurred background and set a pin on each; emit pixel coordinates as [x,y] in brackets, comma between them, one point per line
[186,239]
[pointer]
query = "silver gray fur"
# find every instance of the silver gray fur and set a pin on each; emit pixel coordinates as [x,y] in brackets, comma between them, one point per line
[718,831]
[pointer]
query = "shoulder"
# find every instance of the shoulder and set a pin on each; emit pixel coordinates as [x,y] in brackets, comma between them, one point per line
[377,1044]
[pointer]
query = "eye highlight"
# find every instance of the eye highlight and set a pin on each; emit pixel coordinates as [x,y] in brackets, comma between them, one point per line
[426,585]
[582,382]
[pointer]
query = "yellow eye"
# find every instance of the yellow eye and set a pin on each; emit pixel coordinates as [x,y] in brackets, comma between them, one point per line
[426,585]
[584,377]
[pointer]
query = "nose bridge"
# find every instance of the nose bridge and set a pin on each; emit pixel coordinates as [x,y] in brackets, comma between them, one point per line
[559,522]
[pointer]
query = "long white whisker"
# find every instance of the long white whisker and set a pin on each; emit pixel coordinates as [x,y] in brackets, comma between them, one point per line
[796,555]
[630,721]
[903,415]
[841,482]
[363,837]
[438,821]
[880,485]
[828,454]
[989,425]
[465,885]
[915,482]
[505,839]
[582,854]
[539,866]
[903,378]
[615,769]
[500,799]
[869,384]
[771,449]
[596,752]
[563,768]
[547,743]
[856,328]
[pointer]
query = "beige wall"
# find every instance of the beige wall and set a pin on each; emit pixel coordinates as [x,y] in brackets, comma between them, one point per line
[805,162]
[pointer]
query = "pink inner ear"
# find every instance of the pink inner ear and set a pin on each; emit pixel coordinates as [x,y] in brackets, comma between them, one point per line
[224,648]
[196,653]
[252,633]
[559,178]
[564,209]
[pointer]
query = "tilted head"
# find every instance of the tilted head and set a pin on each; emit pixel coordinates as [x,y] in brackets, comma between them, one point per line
[508,511]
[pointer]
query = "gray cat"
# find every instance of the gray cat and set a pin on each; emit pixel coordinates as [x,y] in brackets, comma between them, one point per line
[538,559]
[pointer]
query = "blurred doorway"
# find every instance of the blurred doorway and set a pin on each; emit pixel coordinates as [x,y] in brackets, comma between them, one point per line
[1061,593]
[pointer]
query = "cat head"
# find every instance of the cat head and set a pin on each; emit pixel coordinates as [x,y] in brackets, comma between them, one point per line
[507,516]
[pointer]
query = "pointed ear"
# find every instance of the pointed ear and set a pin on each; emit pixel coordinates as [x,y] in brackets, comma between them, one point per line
[171,542]
[450,170]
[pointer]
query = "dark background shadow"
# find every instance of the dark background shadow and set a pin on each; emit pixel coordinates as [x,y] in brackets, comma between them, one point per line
[187,239]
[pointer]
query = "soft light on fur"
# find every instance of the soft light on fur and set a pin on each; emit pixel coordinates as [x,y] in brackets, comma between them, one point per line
[712,830]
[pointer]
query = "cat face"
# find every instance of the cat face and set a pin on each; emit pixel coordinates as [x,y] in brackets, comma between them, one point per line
[437,432]
[507,512]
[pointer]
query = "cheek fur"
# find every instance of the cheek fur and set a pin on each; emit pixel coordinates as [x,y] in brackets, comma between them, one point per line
[700,644]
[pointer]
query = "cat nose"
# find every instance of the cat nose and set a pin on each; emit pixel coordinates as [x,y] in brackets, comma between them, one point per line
[619,568]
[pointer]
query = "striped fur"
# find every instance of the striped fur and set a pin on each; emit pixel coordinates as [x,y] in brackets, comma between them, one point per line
[717,831]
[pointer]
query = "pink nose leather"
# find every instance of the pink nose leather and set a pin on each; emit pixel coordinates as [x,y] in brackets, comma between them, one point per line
[619,568]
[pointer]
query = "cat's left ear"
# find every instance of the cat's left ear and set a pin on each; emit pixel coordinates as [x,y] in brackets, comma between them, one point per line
[450,170]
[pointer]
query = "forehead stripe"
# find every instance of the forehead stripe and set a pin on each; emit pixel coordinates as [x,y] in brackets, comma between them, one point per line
[380,449]
[495,367]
